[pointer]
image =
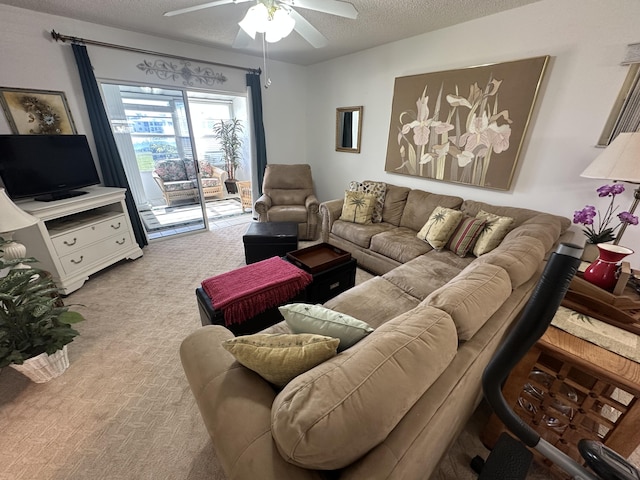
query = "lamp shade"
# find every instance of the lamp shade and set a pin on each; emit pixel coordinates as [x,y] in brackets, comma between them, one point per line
[12,218]
[275,23]
[619,161]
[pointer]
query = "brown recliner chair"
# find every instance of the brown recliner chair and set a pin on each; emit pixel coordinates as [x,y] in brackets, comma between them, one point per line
[288,196]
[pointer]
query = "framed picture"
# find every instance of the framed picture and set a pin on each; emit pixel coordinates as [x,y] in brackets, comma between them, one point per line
[463,126]
[36,112]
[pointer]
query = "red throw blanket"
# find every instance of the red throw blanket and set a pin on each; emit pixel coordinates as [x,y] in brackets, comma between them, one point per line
[243,293]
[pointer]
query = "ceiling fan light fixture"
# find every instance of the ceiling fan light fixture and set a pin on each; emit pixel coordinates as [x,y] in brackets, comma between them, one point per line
[275,23]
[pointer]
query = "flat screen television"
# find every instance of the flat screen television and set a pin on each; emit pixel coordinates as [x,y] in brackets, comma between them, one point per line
[46,167]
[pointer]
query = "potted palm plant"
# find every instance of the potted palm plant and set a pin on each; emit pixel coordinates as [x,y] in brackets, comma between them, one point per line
[35,326]
[229,134]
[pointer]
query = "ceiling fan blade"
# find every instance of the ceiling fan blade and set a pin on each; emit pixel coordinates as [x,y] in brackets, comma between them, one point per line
[308,31]
[202,6]
[243,39]
[332,7]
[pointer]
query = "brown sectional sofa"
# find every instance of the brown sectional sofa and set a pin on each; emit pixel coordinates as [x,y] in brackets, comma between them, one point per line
[389,406]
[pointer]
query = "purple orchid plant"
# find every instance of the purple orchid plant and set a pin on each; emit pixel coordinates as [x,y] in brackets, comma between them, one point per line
[603,233]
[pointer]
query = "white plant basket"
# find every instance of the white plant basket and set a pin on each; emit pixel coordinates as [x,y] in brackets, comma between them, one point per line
[43,367]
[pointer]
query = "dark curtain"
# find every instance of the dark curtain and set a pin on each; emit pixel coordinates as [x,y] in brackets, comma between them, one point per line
[253,82]
[347,129]
[108,156]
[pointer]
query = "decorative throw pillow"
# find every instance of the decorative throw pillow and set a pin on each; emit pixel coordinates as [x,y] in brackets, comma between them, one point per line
[278,358]
[357,207]
[465,235]
[378,189]
[440,226]
[319,320]
[495,229]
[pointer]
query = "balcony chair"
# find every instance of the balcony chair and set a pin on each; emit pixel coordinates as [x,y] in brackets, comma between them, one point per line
[288,196]
[177,180]
[244,188]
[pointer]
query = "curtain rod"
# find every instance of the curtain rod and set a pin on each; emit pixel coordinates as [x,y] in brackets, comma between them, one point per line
[58,37]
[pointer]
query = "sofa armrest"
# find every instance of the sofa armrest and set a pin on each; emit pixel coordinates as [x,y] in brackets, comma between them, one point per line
[235,404]
[262,205]
[312,205]
[330,211]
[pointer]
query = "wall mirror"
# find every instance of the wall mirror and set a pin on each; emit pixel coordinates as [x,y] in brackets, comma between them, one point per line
[348,129]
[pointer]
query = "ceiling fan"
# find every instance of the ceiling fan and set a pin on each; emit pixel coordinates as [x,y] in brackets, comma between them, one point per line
[277,18]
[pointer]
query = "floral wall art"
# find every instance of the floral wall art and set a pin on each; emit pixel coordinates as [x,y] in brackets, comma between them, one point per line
[463,126]
[36,112]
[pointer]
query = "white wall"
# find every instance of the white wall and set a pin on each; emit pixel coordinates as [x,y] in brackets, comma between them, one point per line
[29,58]
[586,40]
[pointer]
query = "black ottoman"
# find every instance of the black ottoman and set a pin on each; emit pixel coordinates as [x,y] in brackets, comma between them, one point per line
[210,316]
[264,240]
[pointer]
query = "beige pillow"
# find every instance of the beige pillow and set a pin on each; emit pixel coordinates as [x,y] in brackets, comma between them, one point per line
[357,207]
[378,189]
[332,415]
[472,297]
[440,226]
[280,357]
[494,231]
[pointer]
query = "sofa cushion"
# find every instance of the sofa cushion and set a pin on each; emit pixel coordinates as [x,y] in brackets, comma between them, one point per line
[520,257]
[319,320]
[359,234]
[422,275]
[357,207]
[495,229]
[378,190]
[546,228]
[376,301]
[395,199]
[465,235]
[288,213]
[472,296]
[280,357]
[399,244]
[332,415]
[440,226]
[420,206]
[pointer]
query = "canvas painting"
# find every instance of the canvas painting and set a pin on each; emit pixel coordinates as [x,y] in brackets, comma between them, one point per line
[463,126]
[37,112]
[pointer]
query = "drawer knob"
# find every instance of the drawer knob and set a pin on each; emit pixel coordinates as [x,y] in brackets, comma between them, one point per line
[77,262]
[71,244]
[116,227]
[122,242]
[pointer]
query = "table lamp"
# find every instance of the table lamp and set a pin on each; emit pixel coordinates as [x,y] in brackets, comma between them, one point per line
[620,162]
[12,218]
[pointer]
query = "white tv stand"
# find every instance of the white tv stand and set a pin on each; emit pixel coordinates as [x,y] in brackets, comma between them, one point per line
[79,236]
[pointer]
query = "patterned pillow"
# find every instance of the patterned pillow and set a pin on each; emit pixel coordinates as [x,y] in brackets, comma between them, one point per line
[280,357]
[465,235]
[357,207]
[306,318]
[379,189]
[440,226]
[495,229]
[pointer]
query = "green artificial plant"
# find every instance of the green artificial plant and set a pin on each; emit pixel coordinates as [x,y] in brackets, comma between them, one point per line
[33,319]
[229,134]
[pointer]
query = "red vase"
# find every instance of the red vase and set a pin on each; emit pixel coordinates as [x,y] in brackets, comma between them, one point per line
[602,272]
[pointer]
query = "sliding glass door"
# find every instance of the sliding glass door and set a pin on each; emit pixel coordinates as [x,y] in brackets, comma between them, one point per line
[166,142]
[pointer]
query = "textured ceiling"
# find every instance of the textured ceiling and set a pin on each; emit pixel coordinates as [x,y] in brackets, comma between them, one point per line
[378,22]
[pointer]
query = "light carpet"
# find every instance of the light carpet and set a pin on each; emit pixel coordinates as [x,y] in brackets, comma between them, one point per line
[123,410]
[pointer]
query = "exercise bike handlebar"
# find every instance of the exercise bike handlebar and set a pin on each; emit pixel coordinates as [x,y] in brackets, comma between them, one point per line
[534,320]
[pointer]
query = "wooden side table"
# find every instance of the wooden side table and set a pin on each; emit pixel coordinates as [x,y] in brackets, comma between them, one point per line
[584,391]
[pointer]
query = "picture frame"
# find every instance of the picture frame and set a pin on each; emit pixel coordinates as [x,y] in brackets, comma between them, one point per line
[37,112]
[466,125]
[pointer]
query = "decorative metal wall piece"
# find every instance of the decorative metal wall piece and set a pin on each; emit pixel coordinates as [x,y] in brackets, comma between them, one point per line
[463,126]
[192,75]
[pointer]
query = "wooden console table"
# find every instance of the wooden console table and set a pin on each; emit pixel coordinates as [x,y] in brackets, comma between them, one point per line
[567,388]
